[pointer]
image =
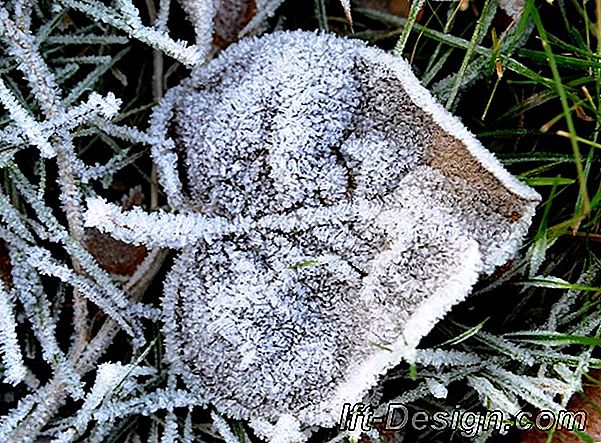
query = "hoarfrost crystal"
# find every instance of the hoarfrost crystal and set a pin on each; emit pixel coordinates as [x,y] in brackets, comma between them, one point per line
[344,213]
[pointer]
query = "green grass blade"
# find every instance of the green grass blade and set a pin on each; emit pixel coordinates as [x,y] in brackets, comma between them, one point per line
[488,11]
[416,6]
[566,108]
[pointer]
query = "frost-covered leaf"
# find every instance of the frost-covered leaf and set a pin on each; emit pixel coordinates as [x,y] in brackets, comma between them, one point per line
[305,148]
[113,255]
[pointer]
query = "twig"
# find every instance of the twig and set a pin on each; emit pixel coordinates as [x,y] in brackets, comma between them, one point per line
[160,23]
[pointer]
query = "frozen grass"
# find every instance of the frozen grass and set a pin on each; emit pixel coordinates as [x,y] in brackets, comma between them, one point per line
[530,90]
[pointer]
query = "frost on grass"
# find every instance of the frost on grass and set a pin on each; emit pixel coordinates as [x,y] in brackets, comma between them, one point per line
[345,213]
[10,353]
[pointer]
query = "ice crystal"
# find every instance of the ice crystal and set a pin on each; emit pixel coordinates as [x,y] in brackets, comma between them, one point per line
[331,212]
[10,352]
[170,433]
[436,388]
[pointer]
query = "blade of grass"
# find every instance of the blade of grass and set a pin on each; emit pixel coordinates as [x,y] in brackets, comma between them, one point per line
[482,24]
[566,110]
[469,332]
[557,283]
[510,159]
[320,13]
[435,69]
[416,6]
[436,61]
[561,60]
[536,172]
[510,133]
[549,181]
[553,339]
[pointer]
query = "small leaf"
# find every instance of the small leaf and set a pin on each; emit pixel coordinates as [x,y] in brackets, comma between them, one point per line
[304,264]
